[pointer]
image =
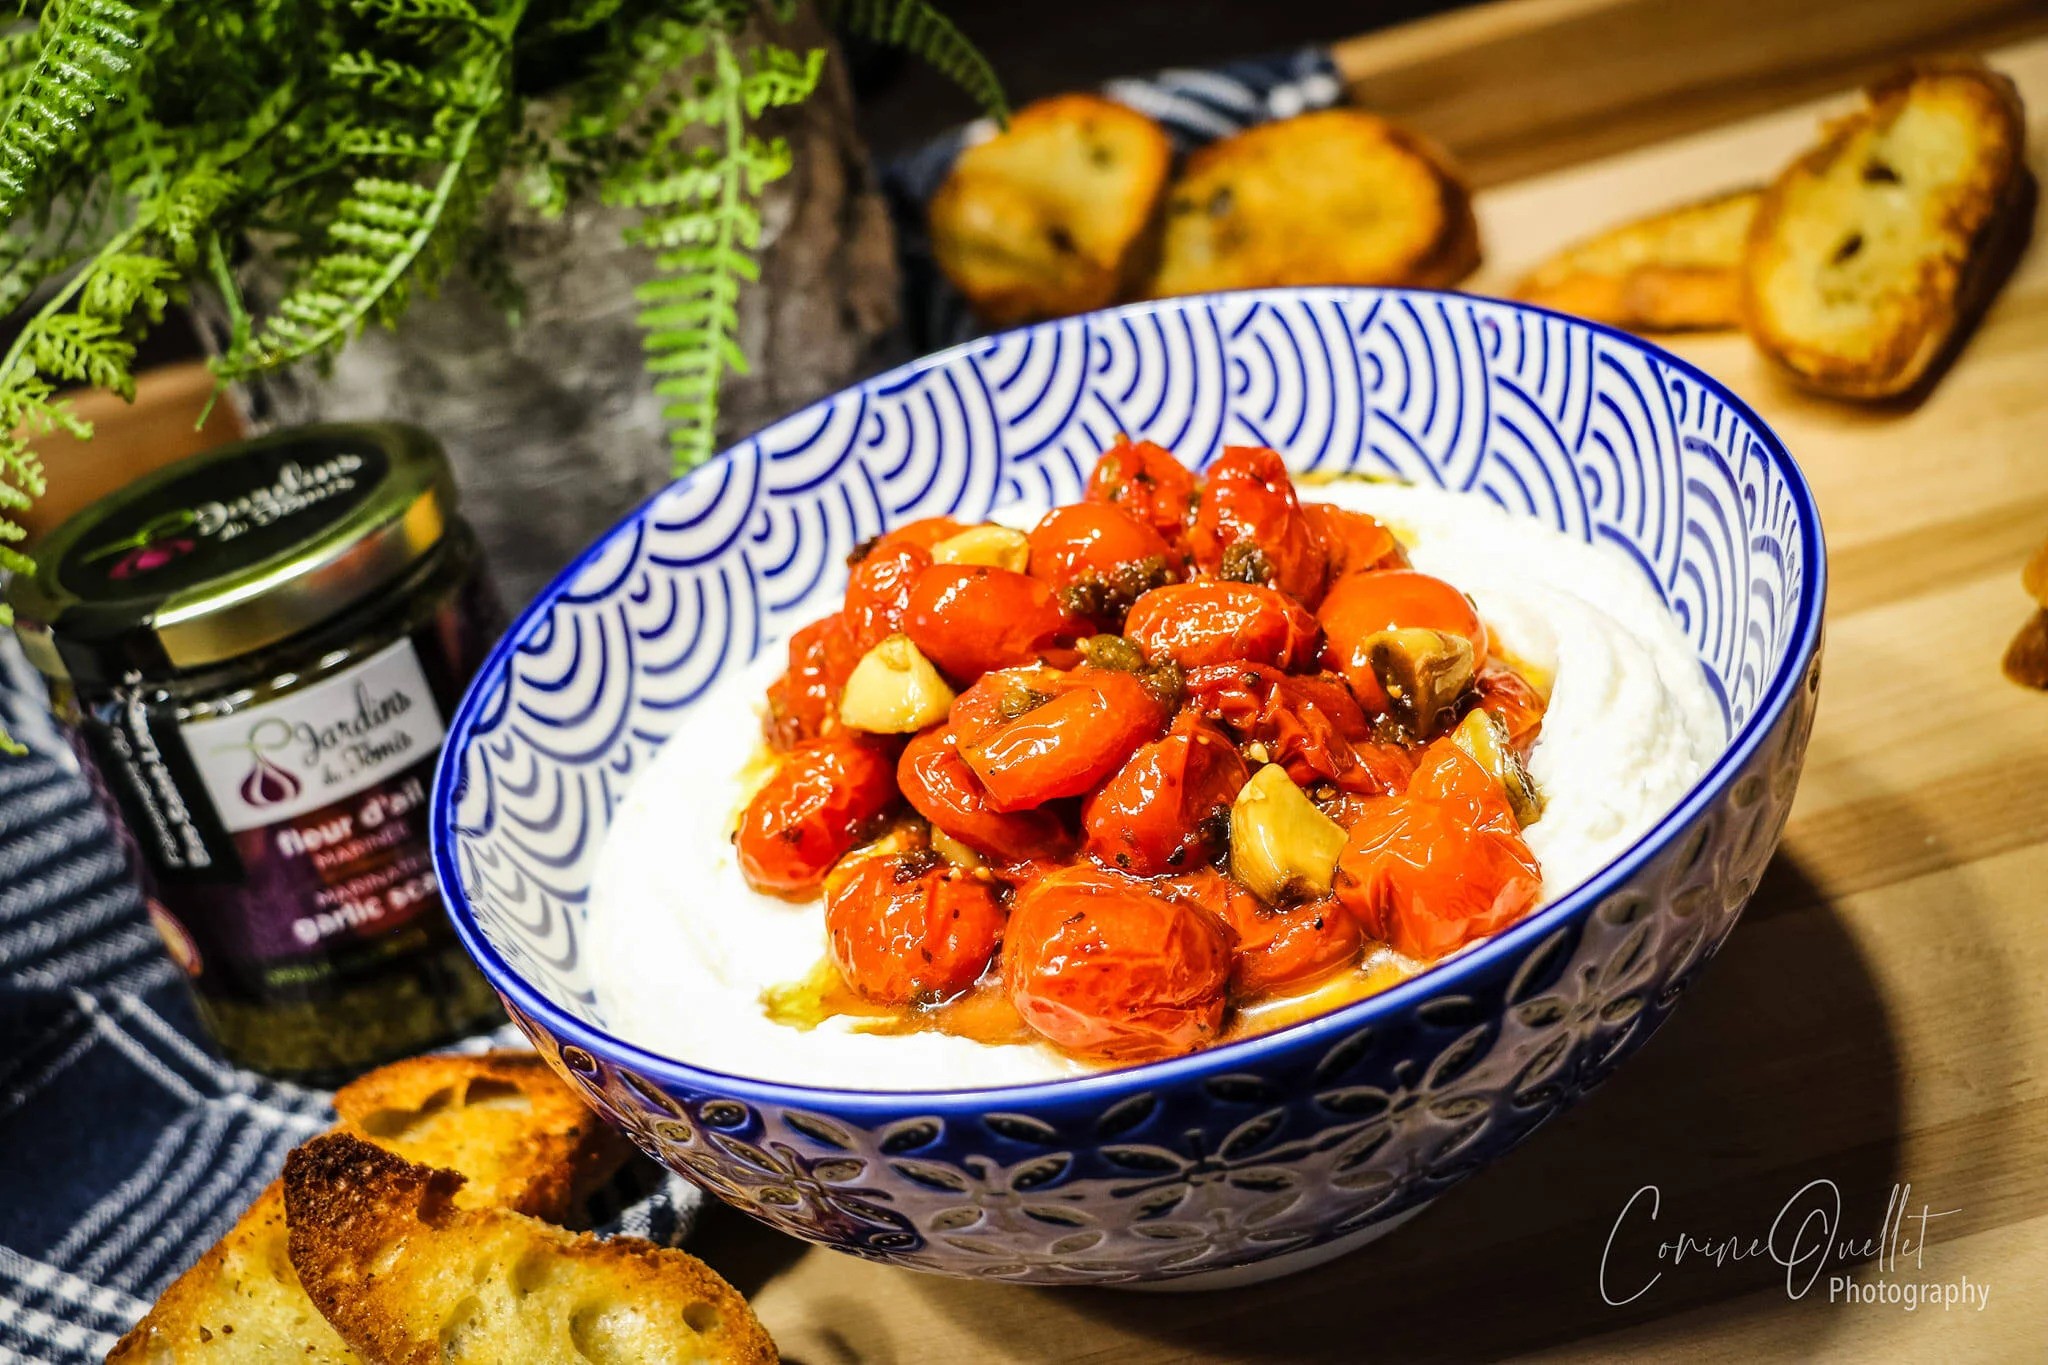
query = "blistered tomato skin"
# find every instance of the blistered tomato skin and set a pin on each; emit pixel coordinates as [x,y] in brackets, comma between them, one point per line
[1067,745]
[1199,624]
[804,702]
[1250,522]
[1361,605]
[878,593]
[1107,967]
[940,786]
[1278,949]
[973,619]
[1308,723]
[1514,703]
[1352,542]
[1440,866]
[905,930]
[1167,809]
[821,802]
[1150,484]
[1002,695]
[1093,540]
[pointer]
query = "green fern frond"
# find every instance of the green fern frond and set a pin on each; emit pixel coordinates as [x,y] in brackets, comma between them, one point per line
[83,348]
[123,285]
[85,47]
[357,144]
[583,17]
[780,77]
[700,177]
[182,211]
[415,17]
[623,88]
[375,235]
[700,212]
[387,78]
[390,144]
[919,29]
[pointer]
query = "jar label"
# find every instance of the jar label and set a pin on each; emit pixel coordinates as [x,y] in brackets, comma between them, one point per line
[305,751]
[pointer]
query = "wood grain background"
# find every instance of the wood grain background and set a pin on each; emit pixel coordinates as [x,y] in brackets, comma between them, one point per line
[1880,1016]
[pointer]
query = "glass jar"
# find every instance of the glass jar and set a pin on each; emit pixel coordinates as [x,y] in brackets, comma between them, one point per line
[256,650]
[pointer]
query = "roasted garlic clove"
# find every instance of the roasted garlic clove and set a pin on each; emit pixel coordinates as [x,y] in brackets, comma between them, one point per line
[953,851]
[894,690]
[1485,739]
[1424,673]
[997,547]
[1281,847]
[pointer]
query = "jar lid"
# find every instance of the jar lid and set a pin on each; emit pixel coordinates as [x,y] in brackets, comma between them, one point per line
[231,550]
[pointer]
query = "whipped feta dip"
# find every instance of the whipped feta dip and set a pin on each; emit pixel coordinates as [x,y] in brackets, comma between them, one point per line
[681,948]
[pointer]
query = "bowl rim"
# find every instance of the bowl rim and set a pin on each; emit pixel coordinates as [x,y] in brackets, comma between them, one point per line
[1224,1059]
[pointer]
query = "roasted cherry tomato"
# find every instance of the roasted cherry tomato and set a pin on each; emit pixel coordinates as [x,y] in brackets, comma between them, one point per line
[1277,949]
[1352,541]
[1092,540]
[878,594]
[1198,624]
[1150,484]
[1441,865]
[970,618]
[1361,605]
[824,797]
[921,534]
[1004,694]
[1067,745]
[1249,527]
[1449,776]
[1514,703]
[906,929]
[1100,559]
[1308,723]
[804,702]
[1105,966]
[940,786]
[1167,809]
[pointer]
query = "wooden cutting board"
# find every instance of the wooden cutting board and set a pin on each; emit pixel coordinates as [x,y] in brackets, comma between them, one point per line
[1879,1019]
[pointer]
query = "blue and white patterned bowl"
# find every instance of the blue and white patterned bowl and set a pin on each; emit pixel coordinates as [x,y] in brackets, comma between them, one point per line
[1265,1155]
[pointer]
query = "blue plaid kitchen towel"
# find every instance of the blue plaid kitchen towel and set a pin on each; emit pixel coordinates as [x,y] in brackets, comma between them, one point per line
[127,1146]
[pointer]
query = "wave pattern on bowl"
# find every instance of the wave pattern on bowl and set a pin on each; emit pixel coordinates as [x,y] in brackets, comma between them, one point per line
[1310,1135]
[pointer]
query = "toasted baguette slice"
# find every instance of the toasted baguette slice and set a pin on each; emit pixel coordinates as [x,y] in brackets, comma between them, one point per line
[1872,254]
[409,1278]
[1053,215]
[521,1138]
[1335,197]
[1672,271]
[502,1118]
[240,1302]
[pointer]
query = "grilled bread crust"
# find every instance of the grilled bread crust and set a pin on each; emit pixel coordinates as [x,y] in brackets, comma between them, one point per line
[1872,254]
[1055,214]
[408,1277]
[1334,197]
[1678,270]
[523,1138]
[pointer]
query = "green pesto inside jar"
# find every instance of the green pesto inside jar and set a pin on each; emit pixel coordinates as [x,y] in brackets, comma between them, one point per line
[257,651]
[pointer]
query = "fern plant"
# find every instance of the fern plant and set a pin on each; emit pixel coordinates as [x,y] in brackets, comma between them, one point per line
[146,147]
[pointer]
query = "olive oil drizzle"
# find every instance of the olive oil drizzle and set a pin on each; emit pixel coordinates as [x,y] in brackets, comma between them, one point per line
[985,1015]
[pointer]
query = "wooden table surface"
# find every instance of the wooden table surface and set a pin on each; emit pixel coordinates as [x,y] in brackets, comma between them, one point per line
[1879,1019]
